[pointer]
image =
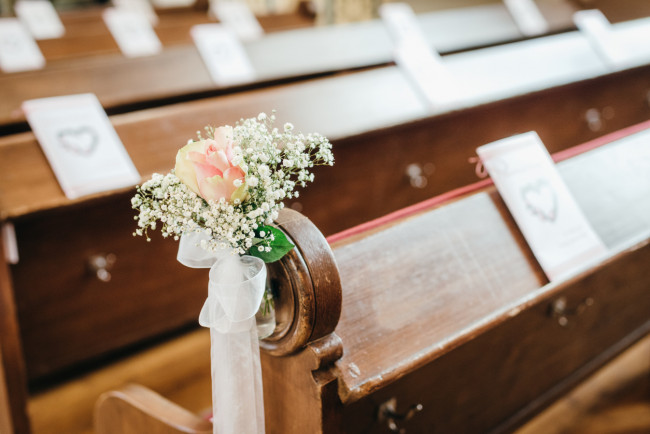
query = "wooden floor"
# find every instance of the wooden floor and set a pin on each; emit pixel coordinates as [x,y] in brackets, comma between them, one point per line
[615,400]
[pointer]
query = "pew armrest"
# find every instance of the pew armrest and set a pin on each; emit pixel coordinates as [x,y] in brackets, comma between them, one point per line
[135,409]
[306,286]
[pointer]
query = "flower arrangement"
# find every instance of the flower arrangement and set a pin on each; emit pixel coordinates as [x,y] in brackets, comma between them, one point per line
[231,185]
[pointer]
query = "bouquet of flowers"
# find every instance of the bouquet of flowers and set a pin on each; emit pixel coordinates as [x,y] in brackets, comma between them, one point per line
[220,201]
[231,185]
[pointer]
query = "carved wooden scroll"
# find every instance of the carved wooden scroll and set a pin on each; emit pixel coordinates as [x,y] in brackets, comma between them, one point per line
[307,287]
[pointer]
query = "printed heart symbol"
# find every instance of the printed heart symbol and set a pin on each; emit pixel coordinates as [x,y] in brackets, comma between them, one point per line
[540,199]
[81,141]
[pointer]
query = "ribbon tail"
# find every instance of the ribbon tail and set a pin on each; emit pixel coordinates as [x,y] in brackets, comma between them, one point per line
[237,396]
[235,291]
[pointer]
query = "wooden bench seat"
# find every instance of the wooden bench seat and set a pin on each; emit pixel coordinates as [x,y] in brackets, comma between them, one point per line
[443,305]
[566,94]
[87,35]
[486,75]
[179,72]
[617,10]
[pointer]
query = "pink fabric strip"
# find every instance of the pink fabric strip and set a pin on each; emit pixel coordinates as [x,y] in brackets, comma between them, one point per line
[453,194]
[404,212]
[600,141]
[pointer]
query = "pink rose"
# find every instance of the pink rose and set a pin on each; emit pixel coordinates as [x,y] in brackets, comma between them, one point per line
[206,168]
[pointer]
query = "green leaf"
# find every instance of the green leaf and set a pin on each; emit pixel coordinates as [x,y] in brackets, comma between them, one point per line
[280,246]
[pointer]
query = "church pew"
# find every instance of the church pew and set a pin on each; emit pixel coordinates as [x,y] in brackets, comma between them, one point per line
[565,93]
[86,34]
[136,410]
[54,332]
[618,10]
[419,311]
[179,72]
[486,75]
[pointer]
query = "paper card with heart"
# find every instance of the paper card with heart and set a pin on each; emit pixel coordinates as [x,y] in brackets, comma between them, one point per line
[40,17]
[223,54]
[238,17]
[132,31]
[550,219]
[18,49]
[81,145]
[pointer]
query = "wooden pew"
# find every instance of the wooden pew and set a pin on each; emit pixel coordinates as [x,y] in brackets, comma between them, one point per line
[87,35]
[565,93]
[443,306]
[136,410]
[179,73]
[54,340]
[618,10]
[488,75]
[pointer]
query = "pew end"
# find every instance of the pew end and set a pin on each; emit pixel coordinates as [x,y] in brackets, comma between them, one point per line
[427,310]
[135,409]
[307,291]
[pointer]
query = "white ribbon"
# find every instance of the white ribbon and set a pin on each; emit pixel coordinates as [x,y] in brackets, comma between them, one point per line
[235,292]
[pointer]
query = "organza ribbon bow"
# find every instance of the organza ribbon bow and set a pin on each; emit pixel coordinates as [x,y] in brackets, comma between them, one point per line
[235,292]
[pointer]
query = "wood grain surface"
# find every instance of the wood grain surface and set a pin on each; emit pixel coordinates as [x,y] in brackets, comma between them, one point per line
[499,268]
[67,314]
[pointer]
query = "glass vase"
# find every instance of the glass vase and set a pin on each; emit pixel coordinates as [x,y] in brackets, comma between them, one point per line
[265,316]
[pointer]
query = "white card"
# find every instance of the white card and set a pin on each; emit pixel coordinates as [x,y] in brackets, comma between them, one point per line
[79,141]
[595,26]
[427,72]
[527,16]
[132,31]
[554,226]
[41,18]
[141,6]
[223,54]
[238,17]
[172,3]
[402,23]
[18,50]
[413,54]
